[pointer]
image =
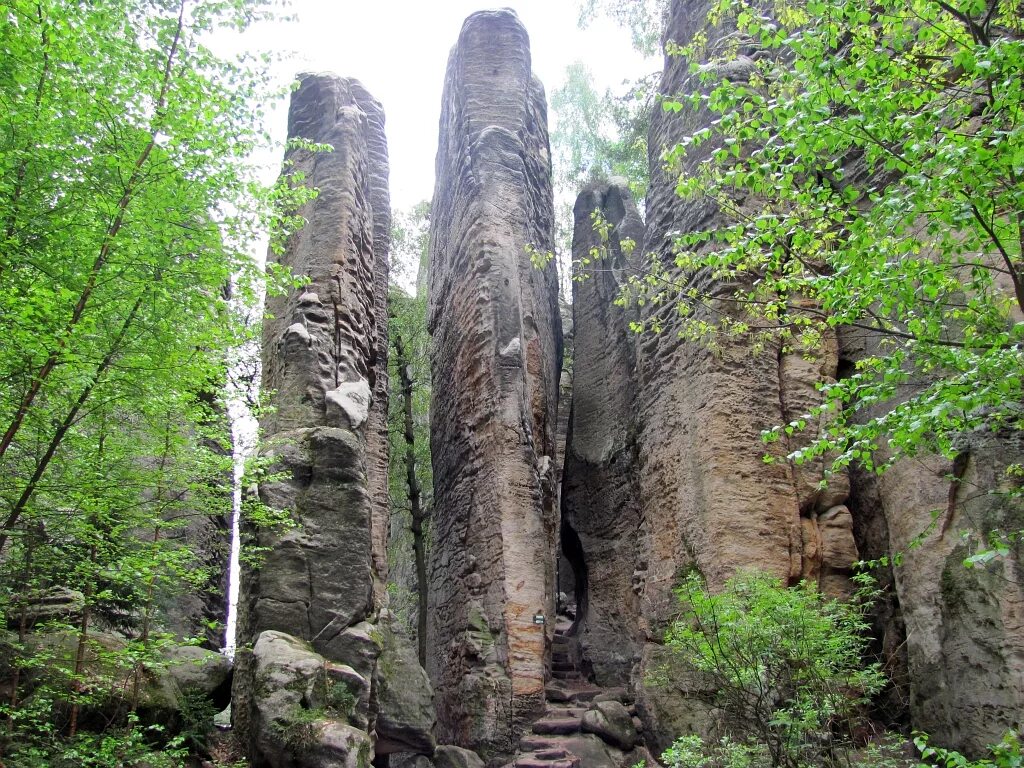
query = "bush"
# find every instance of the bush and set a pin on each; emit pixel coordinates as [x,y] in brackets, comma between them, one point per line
[1005,754]
[786,663]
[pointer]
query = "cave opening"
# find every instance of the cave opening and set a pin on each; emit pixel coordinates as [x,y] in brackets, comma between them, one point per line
[572,578]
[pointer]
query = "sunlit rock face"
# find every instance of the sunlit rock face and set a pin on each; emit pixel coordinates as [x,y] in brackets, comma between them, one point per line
[318,585]
[495,356]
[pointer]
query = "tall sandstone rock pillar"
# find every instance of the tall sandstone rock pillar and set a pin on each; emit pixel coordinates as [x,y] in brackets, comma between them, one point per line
[321,362]
[495,355]
[600,494]
[311,616]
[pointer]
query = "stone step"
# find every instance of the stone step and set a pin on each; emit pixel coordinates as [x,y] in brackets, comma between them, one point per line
[533,742]
[584,694]
[563,666]
[554,753]
[528,761]
[560,726]
[566,713]
[568,676]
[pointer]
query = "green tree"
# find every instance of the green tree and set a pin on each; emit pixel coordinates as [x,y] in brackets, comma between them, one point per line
[127,207]
[787,666]
[599,136]
[870,156]
[410,476]
[645,19]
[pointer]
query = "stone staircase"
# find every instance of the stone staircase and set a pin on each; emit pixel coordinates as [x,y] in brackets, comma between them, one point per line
[555,738]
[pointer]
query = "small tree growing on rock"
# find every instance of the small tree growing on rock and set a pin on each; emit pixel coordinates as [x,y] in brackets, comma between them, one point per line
[787,665]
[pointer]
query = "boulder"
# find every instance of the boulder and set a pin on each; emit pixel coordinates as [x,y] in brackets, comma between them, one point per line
[301,708]
[450,756]
[54,604]
[612,722]
[405,701]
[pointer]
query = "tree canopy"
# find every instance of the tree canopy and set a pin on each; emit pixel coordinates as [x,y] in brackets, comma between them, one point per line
[870,156]
[128,206]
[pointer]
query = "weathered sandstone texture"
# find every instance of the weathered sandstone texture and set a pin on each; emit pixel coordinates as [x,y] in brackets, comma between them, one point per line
[495,357]
[709,500]
[317,589]
[964,628]
[600,494]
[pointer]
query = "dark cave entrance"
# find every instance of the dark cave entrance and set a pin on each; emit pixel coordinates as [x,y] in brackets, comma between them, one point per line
[572,579]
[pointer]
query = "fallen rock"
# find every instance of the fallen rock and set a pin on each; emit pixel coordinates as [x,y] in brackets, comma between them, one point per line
[196,669]
[299,710]
[338,745]
[449,756]
[593,752]
[612,722]
[405,701]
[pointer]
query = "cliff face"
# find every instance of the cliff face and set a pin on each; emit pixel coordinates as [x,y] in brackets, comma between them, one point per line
[709,501]
[962,629]
[311,609]
[495,357]
[601,512]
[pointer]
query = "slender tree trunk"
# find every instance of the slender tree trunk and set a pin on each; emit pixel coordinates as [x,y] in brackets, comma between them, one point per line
[26,580]
[144,636]
[66,424]
[415,500]
[83,639]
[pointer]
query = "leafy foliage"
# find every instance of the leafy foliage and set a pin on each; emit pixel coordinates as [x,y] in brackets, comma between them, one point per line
[598,136]
[1005,754]
[786,664]
[645,20]
[127,208]
[870,156]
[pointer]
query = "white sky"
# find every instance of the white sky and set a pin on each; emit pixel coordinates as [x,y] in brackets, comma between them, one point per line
[399,50]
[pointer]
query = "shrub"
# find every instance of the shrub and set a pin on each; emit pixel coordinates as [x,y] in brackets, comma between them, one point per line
[786,663]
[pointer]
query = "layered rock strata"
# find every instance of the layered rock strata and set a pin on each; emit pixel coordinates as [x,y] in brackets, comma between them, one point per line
[316,590]
[495,358]
[960,631]
[600,498]
[709,500]
[953,633]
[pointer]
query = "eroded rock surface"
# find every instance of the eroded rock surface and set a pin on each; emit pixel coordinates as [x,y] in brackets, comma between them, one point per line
[318,591]
[495,357]
[301,706]
[961,629]
[709,500]
[600,494]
